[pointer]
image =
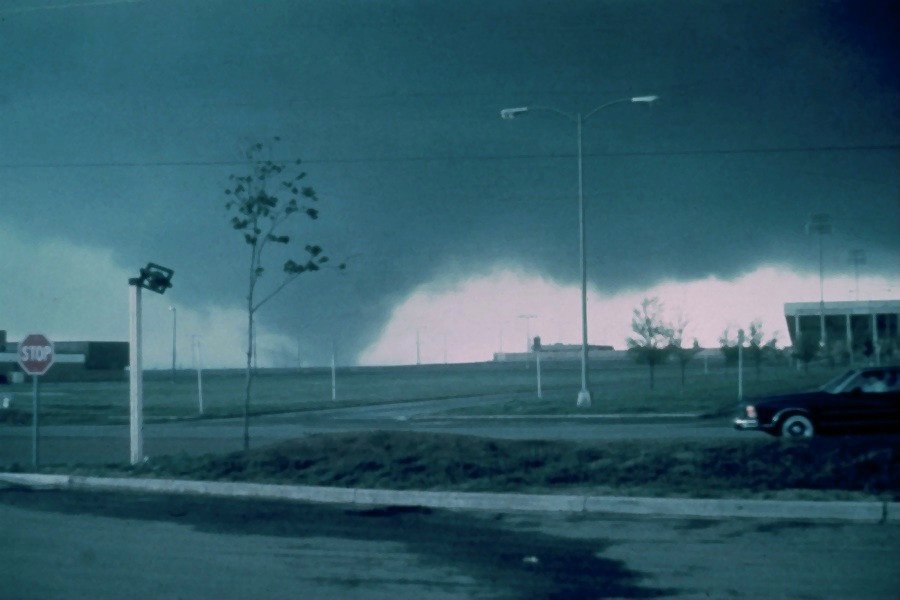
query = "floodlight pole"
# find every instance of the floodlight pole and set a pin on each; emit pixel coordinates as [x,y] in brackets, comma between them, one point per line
[740,350]
[333,373]
[174,337]
[135,375]
[199,375]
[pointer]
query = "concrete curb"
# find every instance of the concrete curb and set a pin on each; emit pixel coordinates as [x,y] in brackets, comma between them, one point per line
[597,417]
[860,512]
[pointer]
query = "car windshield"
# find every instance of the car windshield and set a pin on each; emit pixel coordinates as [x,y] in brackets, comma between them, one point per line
[840,383]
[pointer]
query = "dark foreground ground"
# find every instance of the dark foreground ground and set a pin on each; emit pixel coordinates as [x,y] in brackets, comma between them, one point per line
[83,545]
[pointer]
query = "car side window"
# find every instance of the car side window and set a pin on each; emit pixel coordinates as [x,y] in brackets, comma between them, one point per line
[879,382]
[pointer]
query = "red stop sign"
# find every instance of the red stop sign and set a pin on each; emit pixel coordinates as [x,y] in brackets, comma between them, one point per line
[35,354]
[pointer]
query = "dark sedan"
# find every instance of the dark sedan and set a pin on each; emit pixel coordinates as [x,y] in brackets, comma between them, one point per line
[860,400]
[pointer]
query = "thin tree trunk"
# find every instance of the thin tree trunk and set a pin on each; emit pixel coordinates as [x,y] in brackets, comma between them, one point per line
[651,375]
[249,377]
[683,366]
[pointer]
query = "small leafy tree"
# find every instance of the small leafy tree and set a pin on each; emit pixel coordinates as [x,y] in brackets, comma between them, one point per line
[650,344]
[757,349]
[676,348]
[729,347]
[260,201]
[806,350]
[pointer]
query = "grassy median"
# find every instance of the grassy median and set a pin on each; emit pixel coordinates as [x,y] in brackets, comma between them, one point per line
[839,467]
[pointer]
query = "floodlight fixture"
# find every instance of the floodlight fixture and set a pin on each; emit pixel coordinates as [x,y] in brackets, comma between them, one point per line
[154,277]
[511,113]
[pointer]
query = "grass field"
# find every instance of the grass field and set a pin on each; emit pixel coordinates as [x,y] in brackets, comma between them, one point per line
[823,468]
[616,387]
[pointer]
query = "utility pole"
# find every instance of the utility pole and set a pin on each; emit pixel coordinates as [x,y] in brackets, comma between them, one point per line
[857,258]
[820,223]
[174,337]
[418,355]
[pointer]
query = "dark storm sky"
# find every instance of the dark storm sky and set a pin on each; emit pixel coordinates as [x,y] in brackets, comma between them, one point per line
[120,123]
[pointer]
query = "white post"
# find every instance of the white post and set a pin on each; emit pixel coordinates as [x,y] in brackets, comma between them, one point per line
[740,365]
[537,354]
[875,345]
[584,396]
[199,375]
[136,380]
[849,339]
[333,374]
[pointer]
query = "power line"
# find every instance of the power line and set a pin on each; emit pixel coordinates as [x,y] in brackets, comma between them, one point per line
[462,157]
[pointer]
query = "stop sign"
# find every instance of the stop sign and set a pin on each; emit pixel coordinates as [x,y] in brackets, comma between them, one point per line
[35,354]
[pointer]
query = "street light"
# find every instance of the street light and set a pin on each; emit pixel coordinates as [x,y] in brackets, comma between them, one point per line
[820,224]
[174,334]
[584,397]
[857,258]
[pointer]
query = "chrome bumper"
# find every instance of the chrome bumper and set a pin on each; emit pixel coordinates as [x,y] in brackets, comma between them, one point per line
[743,423]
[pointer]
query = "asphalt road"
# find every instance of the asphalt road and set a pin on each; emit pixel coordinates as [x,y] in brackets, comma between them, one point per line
[70,444]
[83,545]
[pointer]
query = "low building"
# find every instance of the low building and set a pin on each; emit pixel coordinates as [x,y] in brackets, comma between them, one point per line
[73,361]
[857,331]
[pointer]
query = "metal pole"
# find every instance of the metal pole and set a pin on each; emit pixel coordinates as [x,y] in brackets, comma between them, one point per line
[135,376]
[333,374]
[418,357]
[584,397]
[199,376]
[740,365]
[174,337]
[35,423]
[823,339]
[537,355]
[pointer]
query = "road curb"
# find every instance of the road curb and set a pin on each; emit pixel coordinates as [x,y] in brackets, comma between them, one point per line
[570,417]
[718,508]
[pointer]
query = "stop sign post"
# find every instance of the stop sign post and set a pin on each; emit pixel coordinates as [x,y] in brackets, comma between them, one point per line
[36,356]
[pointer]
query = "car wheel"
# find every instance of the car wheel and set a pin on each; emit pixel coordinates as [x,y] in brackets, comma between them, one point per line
[797,427]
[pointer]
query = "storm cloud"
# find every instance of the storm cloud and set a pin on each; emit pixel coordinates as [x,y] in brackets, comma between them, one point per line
[121,122]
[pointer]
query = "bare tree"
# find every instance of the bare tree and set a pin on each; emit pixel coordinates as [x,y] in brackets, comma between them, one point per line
[650,344]
[259,214]
[806,349]
[676,348]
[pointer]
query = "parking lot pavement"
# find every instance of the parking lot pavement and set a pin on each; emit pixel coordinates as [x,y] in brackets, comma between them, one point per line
[69,545]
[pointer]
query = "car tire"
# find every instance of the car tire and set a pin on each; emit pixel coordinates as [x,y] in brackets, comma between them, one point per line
[797,427]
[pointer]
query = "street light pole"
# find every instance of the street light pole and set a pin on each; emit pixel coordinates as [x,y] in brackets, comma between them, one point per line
[821,224]
[174,332]
[584,396]
[857,258]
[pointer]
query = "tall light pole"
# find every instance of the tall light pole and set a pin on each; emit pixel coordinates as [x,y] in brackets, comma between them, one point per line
[174,333]
[584,396]
[820,224]
[857,258]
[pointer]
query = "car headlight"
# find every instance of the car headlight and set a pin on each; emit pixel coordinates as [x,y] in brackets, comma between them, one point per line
[751,411]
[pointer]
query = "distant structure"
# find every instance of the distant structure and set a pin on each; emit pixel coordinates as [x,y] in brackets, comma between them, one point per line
[74,361]
[859,331]
[560,353]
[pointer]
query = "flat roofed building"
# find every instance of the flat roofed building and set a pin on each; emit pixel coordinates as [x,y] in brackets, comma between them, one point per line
[856,329]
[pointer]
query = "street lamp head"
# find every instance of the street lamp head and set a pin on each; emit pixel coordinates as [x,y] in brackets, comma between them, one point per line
[172,308]
[645,99]
[510,113]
